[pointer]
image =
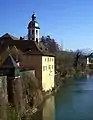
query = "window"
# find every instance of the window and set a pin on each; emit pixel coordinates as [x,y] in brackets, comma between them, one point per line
[44,68]
[32,38]
[36,39]
[49,67]
[50,59]
[32,32]
[45,59]
[36,32]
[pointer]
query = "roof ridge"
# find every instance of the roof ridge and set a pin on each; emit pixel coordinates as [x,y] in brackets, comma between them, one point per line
[9,35]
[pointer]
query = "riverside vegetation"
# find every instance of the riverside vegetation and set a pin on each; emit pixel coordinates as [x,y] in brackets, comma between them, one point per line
[67,64]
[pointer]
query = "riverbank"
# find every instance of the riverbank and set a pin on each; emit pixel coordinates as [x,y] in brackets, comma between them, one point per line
[62,80]
[31,113]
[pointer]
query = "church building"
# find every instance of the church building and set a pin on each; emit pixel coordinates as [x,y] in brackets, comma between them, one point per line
[34,54]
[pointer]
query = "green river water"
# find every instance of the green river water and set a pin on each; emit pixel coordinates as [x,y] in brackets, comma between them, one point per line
[73,101]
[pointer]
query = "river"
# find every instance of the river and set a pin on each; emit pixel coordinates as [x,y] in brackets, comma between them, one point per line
[73,101]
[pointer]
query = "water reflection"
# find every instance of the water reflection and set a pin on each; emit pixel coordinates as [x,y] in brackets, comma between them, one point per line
[71,102]
[88,76]
[49,109]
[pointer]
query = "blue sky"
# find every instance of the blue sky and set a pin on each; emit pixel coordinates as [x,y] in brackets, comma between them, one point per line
[70,22]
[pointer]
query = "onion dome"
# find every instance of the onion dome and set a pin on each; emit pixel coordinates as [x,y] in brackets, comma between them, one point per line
[33,23]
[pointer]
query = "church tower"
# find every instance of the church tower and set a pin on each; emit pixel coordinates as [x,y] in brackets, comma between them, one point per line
[33,29]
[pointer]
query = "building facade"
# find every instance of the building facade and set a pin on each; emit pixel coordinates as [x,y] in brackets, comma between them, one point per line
[33,55]
[48,72]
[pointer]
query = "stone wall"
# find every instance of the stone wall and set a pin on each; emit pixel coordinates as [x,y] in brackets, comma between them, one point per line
[31,92]
[3,97]
[24,93]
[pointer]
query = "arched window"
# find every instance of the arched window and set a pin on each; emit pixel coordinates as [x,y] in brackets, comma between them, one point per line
[36,39]
[36,32]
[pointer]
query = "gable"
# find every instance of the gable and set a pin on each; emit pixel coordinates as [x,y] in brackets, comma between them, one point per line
[8,36]
[9,63]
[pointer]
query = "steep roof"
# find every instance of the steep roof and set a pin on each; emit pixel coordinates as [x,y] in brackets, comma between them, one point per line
[10,53]
[7,35]
[9,62]
[26,46]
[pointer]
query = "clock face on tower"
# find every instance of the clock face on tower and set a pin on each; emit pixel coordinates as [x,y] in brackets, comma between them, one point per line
[36,25]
